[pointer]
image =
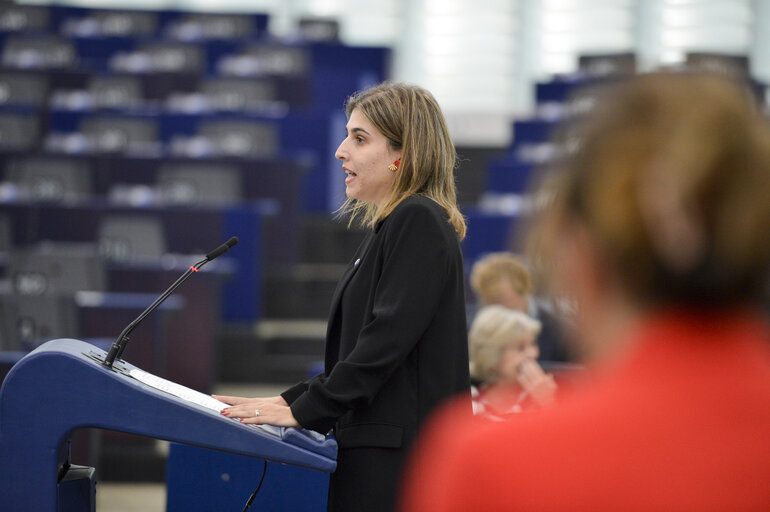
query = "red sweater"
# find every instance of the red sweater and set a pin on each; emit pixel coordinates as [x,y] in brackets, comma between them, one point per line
[681,423]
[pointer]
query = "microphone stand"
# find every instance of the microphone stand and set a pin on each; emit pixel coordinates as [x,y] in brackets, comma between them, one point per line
[117,348]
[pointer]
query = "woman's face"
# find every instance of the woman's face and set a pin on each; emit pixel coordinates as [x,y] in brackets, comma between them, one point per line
[516,353]
[366,155]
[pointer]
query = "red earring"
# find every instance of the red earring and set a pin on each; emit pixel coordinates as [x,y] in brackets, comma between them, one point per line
[394,166]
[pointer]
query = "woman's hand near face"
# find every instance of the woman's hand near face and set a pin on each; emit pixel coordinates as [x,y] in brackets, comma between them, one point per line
[540,385]
[259,411]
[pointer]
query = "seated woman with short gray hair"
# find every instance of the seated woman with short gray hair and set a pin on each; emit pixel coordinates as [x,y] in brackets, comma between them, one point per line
[506,376]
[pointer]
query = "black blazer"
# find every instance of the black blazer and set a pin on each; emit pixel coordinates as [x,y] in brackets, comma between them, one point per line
[396,341]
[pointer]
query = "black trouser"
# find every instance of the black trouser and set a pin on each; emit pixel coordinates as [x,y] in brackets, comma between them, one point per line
[366,480]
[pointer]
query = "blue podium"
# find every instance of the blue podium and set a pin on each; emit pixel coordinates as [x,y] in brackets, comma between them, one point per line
[61,386]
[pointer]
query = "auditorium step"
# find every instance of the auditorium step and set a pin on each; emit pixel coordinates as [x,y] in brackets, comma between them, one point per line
[274,351]
[288,340]
[301,291]
[328,241]
[131,458]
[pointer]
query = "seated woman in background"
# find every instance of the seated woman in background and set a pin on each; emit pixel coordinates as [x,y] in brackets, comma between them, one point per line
[506,376]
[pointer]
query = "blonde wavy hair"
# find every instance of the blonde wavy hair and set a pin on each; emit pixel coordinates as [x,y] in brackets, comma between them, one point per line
[412,121]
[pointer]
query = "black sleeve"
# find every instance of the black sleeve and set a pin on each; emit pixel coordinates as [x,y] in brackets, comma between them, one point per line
[291,394]
[414,273]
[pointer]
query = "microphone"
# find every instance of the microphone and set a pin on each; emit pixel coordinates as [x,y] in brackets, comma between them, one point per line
[117,348]
[219,251]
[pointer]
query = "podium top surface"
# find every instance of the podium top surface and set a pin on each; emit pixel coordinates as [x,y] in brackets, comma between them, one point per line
[70,389]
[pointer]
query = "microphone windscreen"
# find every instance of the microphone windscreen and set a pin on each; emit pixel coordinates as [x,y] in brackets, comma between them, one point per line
[219,251]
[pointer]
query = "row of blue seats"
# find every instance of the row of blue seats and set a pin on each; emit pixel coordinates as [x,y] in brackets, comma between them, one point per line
[252,60]
[276,181]
[30,31]
[309,78]
[76,21]
[65,274]
[291,170]
[308,139]
[559,101]
[146,182]
[314,129]
[187,231]
[84,90]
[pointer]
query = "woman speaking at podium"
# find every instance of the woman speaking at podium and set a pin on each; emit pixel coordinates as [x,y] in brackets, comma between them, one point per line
[396,342]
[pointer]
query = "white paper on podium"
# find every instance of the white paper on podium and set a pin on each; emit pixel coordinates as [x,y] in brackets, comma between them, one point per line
[190,395]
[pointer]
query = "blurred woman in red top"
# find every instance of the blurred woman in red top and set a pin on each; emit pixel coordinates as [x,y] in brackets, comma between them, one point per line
[658,228]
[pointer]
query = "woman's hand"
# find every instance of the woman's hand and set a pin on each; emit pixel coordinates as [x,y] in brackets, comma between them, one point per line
[259,411]
[540,385]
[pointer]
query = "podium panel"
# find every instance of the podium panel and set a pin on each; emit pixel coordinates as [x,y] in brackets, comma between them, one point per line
[201,480]
[60,387]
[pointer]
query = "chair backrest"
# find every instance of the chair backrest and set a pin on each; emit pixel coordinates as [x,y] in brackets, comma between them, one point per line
[23,18]
[210,26]
[319,29]
[174,57]
[199,184]
[115,23]
[27,320]
[279,59]
[736,65]
[51,179]
[38,52]
[606,65]
[117,134]
[236,94]
[6,235]
[8,340]
[56,269]
[18,132]
[242,138]
[23,89]
[129,238]
[116,91]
